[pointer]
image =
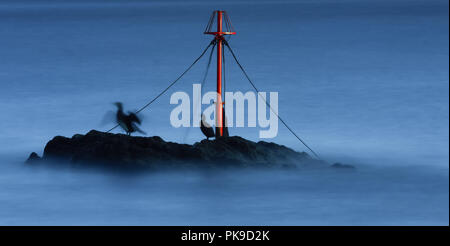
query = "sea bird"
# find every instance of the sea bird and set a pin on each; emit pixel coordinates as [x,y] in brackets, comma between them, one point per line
[206,128]
[127,121]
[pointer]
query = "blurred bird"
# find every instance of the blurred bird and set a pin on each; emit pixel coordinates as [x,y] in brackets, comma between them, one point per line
[207,130]
[127,121]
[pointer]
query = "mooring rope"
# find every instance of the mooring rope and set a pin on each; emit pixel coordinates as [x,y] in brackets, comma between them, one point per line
[213,42]
[257,91]
[224,73]
[207,66]
[205,75]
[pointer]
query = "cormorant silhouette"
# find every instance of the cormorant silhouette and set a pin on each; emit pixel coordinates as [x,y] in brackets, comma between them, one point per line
[127,121]
[206,128]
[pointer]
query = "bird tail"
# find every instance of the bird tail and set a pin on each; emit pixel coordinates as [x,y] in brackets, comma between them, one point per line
[139,130]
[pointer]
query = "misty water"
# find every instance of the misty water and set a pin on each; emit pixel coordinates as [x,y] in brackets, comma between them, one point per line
[363,82]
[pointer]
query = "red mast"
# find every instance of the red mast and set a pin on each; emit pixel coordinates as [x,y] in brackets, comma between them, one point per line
[220,33]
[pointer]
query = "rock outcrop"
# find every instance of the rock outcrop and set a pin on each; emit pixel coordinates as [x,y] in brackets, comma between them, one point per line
[119,150]
[340,165]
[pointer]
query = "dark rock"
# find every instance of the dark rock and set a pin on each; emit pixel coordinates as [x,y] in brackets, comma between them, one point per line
[126,151]
[33,158]
[340,165]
